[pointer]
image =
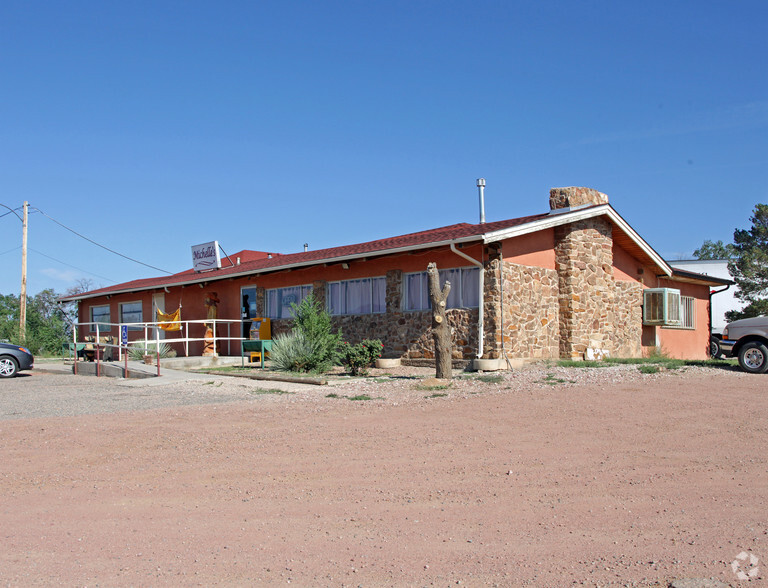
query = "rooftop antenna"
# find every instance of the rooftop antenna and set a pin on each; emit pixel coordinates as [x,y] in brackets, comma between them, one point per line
[481,192]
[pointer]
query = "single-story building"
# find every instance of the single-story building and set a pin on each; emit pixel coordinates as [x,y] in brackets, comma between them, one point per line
[573,282]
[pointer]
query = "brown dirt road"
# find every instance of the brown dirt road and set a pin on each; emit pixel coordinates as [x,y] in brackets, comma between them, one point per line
[617,482]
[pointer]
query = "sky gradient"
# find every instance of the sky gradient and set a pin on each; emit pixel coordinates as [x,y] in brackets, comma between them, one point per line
[153,126]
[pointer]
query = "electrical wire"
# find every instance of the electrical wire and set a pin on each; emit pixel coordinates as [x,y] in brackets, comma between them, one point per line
[99,244]
[11,211]
[72,266]
[11,250]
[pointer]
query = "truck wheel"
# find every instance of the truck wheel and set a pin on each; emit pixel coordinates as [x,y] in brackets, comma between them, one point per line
[753,357]
[714,348]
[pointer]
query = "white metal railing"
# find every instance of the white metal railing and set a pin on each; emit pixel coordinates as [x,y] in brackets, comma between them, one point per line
[98,329]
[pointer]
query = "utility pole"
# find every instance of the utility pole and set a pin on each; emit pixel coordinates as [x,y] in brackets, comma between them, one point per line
[23,297]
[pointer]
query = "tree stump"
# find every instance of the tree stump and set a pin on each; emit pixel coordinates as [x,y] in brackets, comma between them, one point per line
[441,331]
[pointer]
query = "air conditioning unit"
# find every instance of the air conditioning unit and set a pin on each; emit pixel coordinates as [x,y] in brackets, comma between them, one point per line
[661,307]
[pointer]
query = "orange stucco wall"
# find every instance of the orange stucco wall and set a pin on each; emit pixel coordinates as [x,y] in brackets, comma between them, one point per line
[626,268]
[677,342]
[228,290]
[535,249]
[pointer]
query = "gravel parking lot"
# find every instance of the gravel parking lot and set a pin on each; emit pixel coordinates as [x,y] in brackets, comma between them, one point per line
[39,395]
[544,477]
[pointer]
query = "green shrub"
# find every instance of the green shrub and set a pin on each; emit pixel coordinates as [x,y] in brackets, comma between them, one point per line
[293,352]
[359,357]
[139,349]
[316,348]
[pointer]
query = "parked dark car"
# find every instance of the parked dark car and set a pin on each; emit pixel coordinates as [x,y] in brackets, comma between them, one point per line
[13,359]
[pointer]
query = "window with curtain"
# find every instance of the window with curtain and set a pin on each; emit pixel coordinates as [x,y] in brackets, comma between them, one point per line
[464,288]
[363,296]
[280,300]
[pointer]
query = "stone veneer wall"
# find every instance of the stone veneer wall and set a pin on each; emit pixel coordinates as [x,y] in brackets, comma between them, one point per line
[405,334]
[539,313]
[629,319]
[530,315]
[587,288]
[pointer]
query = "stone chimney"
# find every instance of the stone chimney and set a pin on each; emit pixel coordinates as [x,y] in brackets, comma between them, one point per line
[573,196]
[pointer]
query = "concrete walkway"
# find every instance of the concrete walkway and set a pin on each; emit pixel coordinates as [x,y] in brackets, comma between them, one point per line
[142,375]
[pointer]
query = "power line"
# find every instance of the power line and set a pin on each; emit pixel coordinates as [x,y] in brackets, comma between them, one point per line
[11,250]
[100,245]
[72,266]
[12,211]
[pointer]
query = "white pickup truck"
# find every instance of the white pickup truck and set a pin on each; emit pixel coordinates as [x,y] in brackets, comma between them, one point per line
[747,339]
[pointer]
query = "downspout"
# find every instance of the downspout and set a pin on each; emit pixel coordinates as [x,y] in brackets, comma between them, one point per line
[712,293]
[481,288]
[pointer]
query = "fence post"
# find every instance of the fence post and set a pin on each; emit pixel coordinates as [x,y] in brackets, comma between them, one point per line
[74,342]
[96,353]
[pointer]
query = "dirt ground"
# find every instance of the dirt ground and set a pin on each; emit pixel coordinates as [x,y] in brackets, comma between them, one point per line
[562,478]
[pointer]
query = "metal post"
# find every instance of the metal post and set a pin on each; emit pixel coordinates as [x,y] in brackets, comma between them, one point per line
[481,189]
[125,373]
[74,342]
[96,353]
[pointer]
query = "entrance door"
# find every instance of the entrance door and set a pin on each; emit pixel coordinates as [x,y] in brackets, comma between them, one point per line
[248,309]
[158,303]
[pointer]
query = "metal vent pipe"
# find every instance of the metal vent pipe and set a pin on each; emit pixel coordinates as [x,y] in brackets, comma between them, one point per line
[481,191]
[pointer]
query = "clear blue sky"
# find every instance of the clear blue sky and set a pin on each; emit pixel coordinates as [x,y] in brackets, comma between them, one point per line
[153,126]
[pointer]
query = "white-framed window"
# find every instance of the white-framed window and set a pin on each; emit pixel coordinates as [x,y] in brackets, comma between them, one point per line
[279,300]
[131,312]
[661,307]
[100,314]
[687,312]
[464,288]
[363,296]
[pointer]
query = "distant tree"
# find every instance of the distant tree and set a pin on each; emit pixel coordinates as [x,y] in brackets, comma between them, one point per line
[48,326]
[749,266]
[715,250]
[70,308]
[9,317]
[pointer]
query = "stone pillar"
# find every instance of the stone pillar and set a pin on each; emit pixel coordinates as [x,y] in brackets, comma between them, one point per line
[573,196]
[586,285]
[318,289]
[394,292]
[492,307]
[261,303]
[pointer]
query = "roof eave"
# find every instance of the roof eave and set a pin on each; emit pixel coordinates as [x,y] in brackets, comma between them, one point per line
[700,279]
[279,268]
[577,215]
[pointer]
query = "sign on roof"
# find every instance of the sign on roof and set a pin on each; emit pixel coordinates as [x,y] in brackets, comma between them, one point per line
[206,256]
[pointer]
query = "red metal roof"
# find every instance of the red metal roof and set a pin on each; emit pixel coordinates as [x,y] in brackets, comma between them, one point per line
[260,262]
